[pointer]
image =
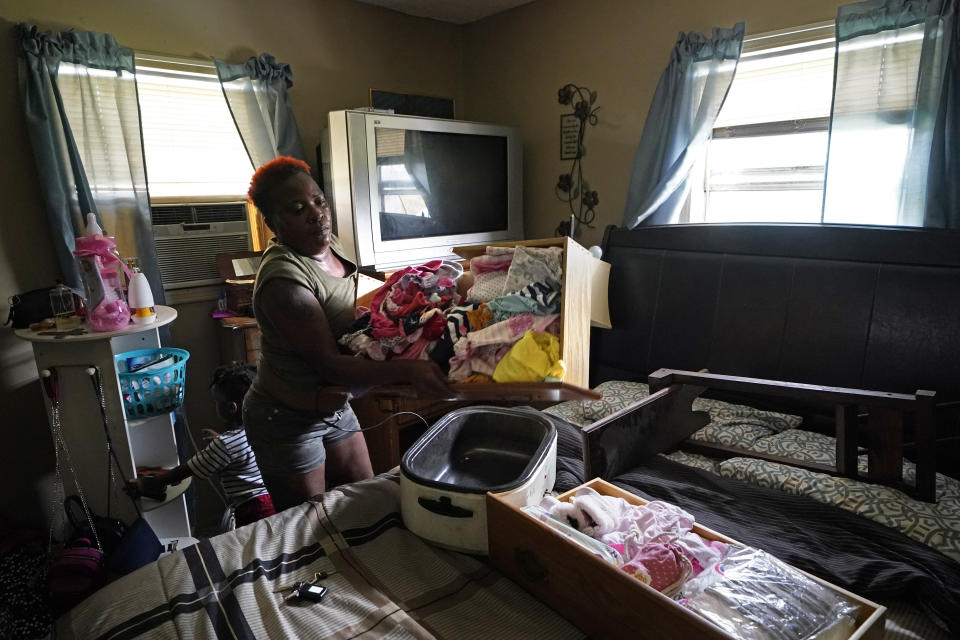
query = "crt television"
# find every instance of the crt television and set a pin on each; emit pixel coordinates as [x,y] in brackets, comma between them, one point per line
[407,189]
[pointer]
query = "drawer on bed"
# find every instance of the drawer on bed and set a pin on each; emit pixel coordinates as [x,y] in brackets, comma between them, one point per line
[583,304]
[601,600]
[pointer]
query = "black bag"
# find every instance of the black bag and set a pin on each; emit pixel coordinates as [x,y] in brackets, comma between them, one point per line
[27,308]
[110,531]
[124,548]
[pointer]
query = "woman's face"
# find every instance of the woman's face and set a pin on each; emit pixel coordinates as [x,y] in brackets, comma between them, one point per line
[301,216]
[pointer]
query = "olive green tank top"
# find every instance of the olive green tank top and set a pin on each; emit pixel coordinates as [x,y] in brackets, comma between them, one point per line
[337,296]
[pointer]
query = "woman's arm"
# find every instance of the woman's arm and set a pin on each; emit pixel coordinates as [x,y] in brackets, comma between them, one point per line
[297,314]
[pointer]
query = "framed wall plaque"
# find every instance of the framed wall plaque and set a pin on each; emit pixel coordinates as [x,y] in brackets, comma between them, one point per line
[569,136]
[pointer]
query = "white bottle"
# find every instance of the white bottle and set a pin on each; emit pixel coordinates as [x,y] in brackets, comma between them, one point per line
[140,298]
[93,229]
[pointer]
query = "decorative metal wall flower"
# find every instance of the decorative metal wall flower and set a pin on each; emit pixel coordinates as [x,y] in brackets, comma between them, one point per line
[571,187]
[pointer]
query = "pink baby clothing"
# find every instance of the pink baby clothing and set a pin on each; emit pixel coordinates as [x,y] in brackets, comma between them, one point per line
[489,274]
[629,528]
[662,565]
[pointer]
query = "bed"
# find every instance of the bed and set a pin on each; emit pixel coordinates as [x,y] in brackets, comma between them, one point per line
[807,306]
[382,581]
[795,387]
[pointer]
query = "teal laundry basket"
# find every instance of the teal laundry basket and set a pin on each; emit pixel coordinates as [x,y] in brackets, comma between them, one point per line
[152,381]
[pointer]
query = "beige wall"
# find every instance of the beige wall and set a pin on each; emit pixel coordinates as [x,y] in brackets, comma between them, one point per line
[338,50]
[504,69]
[515,62]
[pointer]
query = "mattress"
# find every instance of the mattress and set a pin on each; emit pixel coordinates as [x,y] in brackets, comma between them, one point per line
[383,582]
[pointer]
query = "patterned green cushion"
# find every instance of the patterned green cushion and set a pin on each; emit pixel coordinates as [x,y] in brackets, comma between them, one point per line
[935,524]
[746,423]
[736,435]
[726,413]
[617,395]
[797,444]
[694,460]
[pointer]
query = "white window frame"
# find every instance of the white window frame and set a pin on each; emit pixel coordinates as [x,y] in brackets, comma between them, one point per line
[767,45]
[158,64]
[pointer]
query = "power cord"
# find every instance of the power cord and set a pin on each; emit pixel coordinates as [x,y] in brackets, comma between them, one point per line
[379,424]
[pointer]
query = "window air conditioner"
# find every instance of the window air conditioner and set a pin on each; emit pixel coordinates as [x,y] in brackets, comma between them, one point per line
[188,238]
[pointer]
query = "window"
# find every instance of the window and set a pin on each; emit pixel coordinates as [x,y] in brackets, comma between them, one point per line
[767,158]
[194,163]
[192,148]
[190,142]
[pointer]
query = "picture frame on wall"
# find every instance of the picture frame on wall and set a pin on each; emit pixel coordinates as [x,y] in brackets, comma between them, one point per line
[413,105]
[569,136]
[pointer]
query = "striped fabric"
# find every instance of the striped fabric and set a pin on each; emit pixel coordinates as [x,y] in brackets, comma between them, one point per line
[231,457]
[383,581]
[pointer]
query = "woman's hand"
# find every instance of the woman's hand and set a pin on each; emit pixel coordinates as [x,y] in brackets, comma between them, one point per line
[429,380]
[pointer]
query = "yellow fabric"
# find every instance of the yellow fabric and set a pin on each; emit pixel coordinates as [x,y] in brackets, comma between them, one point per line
[534,357]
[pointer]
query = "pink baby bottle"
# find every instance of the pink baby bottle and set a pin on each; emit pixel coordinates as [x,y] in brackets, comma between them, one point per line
[107,308]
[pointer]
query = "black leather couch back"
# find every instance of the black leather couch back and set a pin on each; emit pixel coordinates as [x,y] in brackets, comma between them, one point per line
[864,307]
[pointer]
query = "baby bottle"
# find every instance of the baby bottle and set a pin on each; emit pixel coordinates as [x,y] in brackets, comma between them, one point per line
[107,308]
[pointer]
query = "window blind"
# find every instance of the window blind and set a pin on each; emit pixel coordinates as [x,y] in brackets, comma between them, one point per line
[879,72]
[782,77]
[190,143]
[192,148]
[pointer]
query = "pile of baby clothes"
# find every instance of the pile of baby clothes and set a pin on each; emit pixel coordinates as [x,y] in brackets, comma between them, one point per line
[748,593]
[655,540]
[505,329]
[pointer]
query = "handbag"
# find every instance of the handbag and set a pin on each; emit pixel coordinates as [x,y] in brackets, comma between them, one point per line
[27,308]
[108,530]
[75,572]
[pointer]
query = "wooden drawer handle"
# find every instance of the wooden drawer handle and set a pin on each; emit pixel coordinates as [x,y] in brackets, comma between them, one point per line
[443,507]
[529,566]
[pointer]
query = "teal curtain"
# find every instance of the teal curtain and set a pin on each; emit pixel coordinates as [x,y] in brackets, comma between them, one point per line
[256,92]
[894,154]
[79,97]
[678,126]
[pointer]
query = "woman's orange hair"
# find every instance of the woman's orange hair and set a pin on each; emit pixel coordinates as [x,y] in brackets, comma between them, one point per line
[270,176]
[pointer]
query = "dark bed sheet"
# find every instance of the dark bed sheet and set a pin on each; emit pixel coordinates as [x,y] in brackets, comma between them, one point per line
[857,554]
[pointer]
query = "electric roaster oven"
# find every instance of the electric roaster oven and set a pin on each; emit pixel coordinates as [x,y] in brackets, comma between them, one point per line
[446,474]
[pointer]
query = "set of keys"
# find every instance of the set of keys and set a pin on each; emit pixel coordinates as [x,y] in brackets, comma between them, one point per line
[306,590]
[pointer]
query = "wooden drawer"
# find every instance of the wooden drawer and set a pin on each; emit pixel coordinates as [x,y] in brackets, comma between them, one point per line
[583,302]
[598,598]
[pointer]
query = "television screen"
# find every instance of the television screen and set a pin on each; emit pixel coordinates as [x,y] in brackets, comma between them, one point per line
[433,183]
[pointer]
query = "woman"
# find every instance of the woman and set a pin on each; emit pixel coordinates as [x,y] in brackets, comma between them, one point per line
[303,299]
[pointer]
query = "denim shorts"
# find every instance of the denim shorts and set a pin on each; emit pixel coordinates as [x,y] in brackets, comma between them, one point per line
[287,441]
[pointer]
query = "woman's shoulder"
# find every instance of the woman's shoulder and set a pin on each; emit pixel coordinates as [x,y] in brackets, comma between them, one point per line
[280,261]
[280,256]
[337,247]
